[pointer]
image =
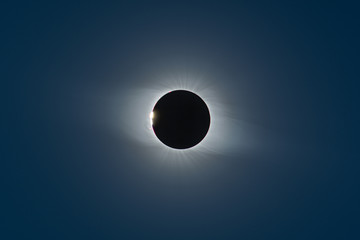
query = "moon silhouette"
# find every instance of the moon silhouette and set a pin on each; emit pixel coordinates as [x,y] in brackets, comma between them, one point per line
[180,119]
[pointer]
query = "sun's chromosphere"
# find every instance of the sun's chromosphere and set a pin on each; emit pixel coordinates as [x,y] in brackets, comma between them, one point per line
[180,119]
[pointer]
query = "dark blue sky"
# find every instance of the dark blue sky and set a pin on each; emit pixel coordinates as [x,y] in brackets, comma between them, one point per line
[286,73]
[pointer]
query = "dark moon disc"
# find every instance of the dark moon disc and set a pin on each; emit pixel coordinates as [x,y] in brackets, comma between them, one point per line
[180,119]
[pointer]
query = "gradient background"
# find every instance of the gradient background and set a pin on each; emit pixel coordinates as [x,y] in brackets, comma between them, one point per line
[283,73]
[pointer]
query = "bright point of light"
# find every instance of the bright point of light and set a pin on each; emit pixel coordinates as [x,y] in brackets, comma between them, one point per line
[151,118]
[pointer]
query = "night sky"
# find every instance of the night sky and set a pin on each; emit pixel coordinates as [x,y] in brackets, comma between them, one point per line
[78,160]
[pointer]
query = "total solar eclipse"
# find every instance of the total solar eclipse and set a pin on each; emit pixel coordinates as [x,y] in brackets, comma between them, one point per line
[180,119]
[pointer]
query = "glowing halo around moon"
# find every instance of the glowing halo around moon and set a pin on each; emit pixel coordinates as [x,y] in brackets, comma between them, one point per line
[224,136]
